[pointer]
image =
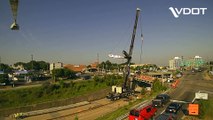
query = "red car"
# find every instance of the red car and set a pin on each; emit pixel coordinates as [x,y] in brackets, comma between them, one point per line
[145,113]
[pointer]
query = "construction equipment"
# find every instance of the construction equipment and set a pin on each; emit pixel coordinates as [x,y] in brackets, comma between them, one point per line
[19,116]
[125,90]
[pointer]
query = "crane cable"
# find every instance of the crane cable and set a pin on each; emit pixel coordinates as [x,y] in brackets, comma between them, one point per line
[14,8]
[142,39]
[120,41]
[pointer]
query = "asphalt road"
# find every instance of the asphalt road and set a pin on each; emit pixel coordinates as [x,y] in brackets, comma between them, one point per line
[189,85]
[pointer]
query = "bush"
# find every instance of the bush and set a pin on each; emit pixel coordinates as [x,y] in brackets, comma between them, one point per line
[158,86]
[46,84]
[61,83]
[4,78]
[204,107]
[143,91]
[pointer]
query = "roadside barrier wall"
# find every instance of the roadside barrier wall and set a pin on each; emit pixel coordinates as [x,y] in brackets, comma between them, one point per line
[175,84]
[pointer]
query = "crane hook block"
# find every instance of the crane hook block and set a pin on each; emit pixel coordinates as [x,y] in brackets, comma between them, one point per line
[14,26]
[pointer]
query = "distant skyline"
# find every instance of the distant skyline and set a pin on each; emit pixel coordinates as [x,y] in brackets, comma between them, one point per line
[75,31]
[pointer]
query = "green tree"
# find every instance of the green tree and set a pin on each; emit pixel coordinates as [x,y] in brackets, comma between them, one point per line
[76,117]
[143,91]
[63,73]
[4,78]
[19,63]
[43,65]
[109,66]
[34,65]
[89,66]
[69,73]
[158,86]
[61,83]
[58,73]
[6,68]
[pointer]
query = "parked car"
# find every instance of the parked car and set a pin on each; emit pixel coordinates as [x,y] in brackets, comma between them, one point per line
[170,80]
[2,84]
[166,116]
[173,107]
[160,100]
[145,113]
[86,76]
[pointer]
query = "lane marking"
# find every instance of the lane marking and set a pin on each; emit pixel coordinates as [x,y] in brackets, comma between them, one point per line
[163,111]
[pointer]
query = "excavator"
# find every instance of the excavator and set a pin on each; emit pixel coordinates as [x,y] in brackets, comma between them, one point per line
[126,90]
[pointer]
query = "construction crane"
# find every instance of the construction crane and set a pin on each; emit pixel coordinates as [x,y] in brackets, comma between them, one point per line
[14,8]
[125,90]
[128,56]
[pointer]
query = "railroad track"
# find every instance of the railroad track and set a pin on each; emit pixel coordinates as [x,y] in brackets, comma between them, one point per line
[81,111]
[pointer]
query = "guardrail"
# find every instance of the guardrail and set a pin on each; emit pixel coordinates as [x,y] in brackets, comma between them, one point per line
[138,106]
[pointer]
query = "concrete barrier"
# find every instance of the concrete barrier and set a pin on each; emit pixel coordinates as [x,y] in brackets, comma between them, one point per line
[175,84]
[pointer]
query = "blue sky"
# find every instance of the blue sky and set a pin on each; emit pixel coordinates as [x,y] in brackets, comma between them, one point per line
[75,31]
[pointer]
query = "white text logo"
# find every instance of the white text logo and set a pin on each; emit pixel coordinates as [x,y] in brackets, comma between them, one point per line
[187,11]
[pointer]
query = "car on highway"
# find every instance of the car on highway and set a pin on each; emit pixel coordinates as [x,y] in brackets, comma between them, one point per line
[145,113]
[173,107]
[160,100]
[166,116]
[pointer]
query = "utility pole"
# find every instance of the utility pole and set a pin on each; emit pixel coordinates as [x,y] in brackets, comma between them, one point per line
[32,60]
[0,62]
[98,61]
[54,73]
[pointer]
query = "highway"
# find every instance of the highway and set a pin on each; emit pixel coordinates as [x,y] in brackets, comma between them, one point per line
[189,85]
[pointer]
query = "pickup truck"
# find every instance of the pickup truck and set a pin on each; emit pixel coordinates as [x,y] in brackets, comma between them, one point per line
[160,100]
[145,113]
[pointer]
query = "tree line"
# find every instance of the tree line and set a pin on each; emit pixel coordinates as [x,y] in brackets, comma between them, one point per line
[34,65]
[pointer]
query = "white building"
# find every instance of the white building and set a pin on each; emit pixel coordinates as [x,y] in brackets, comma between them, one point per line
[57,65]
[175,63]
[198,61]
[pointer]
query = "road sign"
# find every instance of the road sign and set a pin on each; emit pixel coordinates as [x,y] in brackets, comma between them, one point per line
[193,109]
[200,95]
